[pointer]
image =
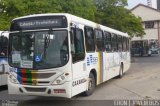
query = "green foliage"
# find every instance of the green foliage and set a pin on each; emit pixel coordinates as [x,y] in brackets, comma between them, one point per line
[112,13]
[107,12]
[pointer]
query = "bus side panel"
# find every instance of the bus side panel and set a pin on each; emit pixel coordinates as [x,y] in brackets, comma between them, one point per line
[117,63]
[81,71]
[127,61]
[79,83]
[108,65]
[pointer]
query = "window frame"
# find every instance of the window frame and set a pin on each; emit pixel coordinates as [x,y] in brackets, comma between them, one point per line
[102,48]
[4,41]
[120,45]
[108,40]
[77,56]
[114,43]
[93,40]
[149,24]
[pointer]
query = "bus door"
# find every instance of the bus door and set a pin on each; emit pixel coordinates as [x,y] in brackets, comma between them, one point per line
[78,60]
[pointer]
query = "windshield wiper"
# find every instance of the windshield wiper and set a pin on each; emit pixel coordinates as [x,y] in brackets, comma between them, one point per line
[47,41]
[47,38]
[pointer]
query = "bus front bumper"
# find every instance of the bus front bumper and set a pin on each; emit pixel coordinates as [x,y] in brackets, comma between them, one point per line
[63,90]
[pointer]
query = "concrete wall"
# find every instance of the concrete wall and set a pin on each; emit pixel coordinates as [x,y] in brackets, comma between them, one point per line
[148,14]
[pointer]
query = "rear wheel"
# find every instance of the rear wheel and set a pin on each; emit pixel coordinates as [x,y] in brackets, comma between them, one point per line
[91,85]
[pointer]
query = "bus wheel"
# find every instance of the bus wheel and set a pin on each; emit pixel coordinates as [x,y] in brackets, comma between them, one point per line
[121,71]
[91,85]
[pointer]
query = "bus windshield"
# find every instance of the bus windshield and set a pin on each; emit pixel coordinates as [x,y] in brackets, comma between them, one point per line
[38,50]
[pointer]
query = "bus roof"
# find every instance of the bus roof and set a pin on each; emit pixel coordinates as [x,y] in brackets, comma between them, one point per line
[79,20]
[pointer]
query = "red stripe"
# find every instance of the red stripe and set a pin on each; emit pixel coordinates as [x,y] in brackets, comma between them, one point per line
[24,79]
[24,76]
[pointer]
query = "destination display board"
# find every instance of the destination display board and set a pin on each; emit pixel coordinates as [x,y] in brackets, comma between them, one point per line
[40,22]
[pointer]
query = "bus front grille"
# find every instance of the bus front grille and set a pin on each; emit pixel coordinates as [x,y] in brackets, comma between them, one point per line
[28,89]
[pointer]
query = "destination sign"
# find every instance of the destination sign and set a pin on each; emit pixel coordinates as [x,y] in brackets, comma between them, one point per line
[42,22]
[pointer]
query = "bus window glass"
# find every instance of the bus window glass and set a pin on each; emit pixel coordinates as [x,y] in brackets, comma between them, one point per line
[78,46]
[43,49]
[119,43]
[108,44]
[3,46]
[99,40]
[114,42]
[89,39]
[124,44]
[127,42]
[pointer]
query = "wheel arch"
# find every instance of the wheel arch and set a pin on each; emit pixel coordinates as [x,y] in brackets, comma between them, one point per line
[94,72]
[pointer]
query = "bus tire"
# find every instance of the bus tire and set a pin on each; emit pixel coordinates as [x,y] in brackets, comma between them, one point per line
[121,71]
[91,85]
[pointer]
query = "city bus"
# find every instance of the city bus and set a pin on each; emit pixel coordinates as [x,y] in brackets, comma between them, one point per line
[144,47]
[4,67]
[63,55]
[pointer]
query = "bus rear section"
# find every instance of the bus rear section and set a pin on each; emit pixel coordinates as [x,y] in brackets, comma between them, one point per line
[4,67]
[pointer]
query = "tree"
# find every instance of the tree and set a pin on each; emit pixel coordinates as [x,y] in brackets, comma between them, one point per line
[16,8]
[112,13]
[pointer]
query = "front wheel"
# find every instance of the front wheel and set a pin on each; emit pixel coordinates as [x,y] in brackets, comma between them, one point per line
[91,85]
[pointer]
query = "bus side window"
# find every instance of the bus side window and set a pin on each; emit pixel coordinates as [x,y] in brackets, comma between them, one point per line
[120,43]
[99,40]
[108,45]
[124,44]
[78,52]
[128,45]
[114,43]
[89,39]
[3,46]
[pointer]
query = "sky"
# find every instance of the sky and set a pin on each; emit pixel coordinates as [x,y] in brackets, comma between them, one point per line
[132,3]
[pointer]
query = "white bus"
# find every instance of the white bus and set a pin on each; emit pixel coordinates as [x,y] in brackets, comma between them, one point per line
[4,67]
[63,55]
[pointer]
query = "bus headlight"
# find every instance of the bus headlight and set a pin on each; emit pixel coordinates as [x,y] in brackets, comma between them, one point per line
[13,79]
[60,80]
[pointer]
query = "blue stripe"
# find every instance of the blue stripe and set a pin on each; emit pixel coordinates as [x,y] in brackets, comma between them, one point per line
[19,75]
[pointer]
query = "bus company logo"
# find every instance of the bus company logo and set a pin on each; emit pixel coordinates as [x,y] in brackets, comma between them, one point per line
[91,60]
[34,82]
